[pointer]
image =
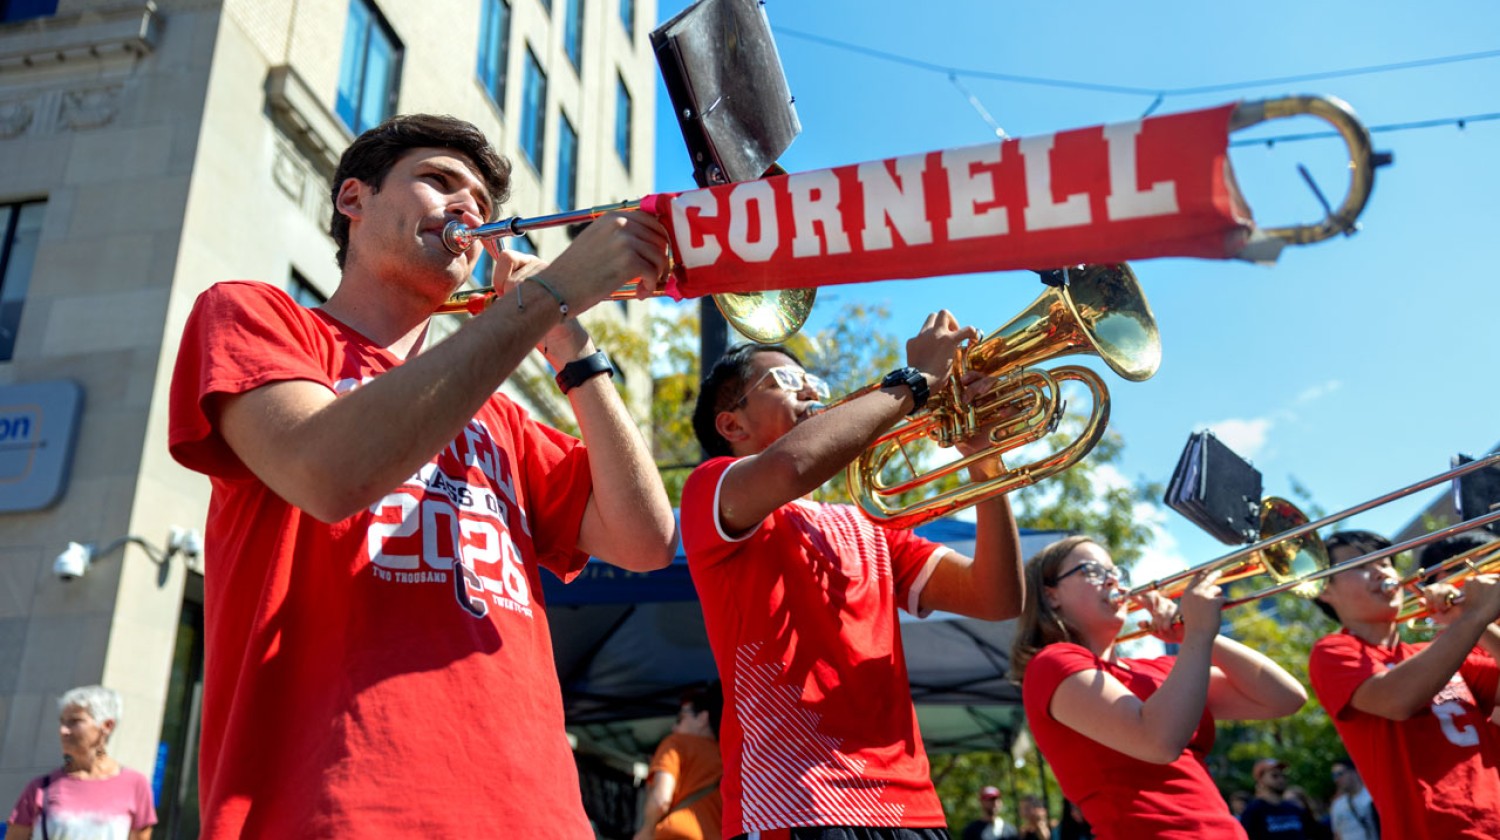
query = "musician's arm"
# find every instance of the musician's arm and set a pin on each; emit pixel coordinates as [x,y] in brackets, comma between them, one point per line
[814,450]
[1400,692]
[1247,685]
[990,584]
[323,454]
[628,520]
[807,456]
[1155,730]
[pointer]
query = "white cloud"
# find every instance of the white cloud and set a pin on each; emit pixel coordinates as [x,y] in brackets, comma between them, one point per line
[1318,391]
[1246,437]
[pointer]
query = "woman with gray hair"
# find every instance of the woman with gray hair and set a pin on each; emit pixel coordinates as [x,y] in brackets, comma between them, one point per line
[91,797]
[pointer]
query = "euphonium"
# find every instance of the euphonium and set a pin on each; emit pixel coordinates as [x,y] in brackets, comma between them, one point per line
[1098,310]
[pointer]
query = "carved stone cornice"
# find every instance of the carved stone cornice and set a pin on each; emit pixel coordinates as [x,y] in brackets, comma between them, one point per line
[302,116]
[124,31]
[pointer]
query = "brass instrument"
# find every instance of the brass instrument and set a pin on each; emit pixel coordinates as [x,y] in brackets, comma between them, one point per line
[765,317]
[1308,582]
[1098,310]
[1363,161]
[1287,559]
[1455,572]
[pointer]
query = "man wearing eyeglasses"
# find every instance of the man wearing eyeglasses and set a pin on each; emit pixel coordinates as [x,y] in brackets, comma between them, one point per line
[800,599]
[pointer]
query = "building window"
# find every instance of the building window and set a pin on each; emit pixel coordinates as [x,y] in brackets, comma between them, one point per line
[533,111]
[304,292]
[21,227]
[494,47]
[622,122]
[14,10]
[573,33]
[627,16]
[523,244]
[567,164]
[371,69]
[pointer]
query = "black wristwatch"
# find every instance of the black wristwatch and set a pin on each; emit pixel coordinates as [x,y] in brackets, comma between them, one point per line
[579,371]
[911,378]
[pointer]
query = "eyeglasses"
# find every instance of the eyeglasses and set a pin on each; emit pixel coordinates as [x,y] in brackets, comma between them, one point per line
[789,378]
[1096,574]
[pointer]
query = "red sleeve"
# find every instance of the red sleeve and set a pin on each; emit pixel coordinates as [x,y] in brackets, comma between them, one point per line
[1046,671]
[703,539]
[1337,667]
[239,336]
[912,560]
[1483,676]
[558,484]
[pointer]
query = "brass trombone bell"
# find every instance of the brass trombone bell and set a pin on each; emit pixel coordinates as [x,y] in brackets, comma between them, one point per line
[1289,559]
[764,317]
[1301,582]
[1099,310]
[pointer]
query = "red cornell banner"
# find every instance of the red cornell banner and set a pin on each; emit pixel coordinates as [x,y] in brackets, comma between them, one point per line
[1157,187]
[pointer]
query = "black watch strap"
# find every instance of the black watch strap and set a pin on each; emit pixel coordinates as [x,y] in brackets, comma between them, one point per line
[911,378]
[579,371]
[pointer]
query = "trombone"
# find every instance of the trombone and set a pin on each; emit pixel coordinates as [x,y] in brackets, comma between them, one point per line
[1455,572]
[765,317]
[1309,584]
[1096,310]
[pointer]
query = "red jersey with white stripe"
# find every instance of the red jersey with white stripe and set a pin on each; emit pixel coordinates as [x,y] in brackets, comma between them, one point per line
[1435,775]
[389,675]
[801,612]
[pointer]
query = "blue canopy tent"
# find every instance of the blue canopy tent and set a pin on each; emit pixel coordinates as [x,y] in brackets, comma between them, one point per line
[628,644]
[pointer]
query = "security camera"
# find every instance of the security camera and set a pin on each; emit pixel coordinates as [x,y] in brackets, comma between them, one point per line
[73,562]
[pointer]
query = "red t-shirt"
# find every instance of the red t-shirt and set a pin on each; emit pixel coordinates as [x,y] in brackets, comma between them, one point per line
[1121,796]
[818,724]
[391,674]
[1433,775]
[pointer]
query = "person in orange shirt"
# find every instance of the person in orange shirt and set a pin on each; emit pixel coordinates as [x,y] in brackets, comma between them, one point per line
[682,792]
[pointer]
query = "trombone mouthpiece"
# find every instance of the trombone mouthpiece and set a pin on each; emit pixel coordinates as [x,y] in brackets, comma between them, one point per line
[1388,586]
[457,238]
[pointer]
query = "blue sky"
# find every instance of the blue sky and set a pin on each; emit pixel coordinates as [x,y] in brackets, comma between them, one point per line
[1355,365]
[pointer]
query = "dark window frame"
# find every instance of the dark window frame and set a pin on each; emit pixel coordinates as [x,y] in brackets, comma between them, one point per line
[12,310]
[494,53]
[350,105]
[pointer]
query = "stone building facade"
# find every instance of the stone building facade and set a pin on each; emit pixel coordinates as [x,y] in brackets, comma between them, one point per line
[149,148]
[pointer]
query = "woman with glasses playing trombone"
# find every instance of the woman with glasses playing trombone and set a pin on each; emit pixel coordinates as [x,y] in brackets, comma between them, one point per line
[1127,737]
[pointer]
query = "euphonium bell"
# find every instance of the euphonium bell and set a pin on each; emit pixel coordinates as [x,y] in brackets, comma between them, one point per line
[1098,310]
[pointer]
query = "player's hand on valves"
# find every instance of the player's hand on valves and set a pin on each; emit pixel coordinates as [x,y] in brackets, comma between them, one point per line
[932,349]
[613,250]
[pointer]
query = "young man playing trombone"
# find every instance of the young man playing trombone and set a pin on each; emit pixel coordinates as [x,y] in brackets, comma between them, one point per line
[1414,717]
[378,663]
[800,599]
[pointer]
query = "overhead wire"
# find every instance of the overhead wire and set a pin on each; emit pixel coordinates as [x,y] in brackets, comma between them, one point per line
[1159,95]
